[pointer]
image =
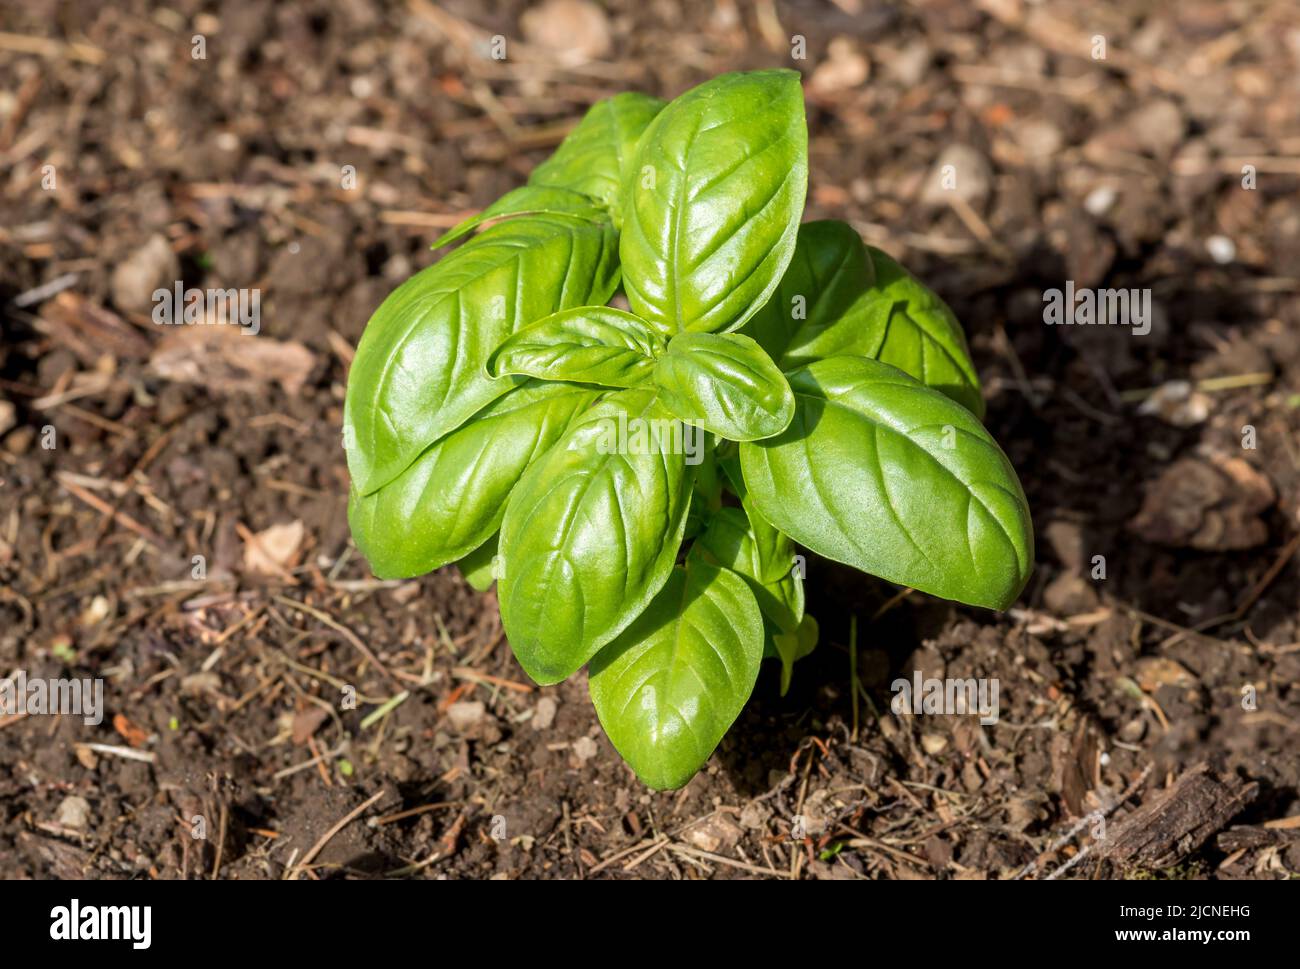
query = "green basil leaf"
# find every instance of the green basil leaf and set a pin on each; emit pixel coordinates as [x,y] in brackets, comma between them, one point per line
[453,497]
[730,542]
[922,337]
[827,286]
[731,539]
[588,344]
[708,481]
[591,533]
[595,156]
[697,518]
[479,566]
[725,383]
[712,202]
[668,689]
[528,200]
[418,372]
[891,477]
[775,548]
[841,298]
[781,596]
[793,646]
[782,601]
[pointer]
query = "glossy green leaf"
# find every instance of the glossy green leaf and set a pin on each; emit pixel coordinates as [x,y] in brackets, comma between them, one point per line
[922,336]
[529,200]
[708,480]
[591,533]
[697,518]
[725,383]
[885,474]
[841,298]
[594,159]
[775,550]
[712,202]
[783,601]
[790,647]
[671,685]
[827,286]
[589,344]
[418,372]
[729,541]
[732,541]
[479,566]
[452,499]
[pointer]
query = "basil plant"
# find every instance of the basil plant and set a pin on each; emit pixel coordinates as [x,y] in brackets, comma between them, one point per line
[637,481]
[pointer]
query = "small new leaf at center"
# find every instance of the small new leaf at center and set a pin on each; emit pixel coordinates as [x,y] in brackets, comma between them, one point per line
[725,383]
[588,344]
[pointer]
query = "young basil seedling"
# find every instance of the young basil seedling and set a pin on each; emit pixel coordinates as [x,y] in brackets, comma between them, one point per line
[638,482]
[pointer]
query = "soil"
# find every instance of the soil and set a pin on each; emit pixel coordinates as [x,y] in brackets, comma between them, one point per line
[1159,635]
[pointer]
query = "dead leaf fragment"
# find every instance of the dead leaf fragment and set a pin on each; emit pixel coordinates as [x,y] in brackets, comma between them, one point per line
[307,722]
[576,31]
[1177,402]
[89,330]
[135,279]
[934,743]
[227,359]
[198,684]
[133,735]
[1076,766]
[845,67]
[274,550]
[717,834]
[1153,672]
[1212,505]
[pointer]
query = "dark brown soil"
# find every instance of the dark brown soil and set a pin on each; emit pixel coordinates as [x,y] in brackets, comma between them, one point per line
[171,443]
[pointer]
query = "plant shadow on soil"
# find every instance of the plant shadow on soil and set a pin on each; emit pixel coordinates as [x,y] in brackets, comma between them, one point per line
[772,727]
[1090,462]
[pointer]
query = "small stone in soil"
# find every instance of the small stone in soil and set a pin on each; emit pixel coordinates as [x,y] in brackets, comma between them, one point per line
[584,748]
[544,713]
[1221,249]
[74,813]
[465,714]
